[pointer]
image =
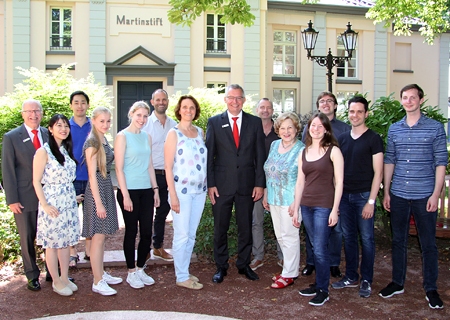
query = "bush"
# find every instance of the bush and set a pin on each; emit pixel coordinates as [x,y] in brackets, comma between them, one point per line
[53,91]
[204,244]
[9,237]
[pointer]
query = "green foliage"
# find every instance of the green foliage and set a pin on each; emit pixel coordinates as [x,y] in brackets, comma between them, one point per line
[433,16]
[211,104]
[53,91]
[184,12]
[9,237]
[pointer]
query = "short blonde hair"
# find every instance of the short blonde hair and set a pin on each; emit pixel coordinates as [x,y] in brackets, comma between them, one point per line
[284,116]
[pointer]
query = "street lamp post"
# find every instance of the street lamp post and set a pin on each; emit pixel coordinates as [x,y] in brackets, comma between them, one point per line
[349,37]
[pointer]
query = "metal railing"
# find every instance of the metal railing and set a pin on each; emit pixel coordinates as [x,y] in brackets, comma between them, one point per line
[216,46]
[60,43]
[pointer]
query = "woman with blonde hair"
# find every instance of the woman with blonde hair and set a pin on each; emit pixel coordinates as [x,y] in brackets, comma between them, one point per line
[138,192]
[99,210]
[281,176]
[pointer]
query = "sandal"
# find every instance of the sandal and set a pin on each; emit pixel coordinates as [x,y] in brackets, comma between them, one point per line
[73,262]
[86,257]
[282,282]
[275,278]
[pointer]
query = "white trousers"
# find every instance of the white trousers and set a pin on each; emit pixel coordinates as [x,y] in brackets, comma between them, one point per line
[288,238]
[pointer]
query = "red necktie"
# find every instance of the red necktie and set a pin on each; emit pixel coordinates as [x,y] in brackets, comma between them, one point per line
[235,131]
[36,142]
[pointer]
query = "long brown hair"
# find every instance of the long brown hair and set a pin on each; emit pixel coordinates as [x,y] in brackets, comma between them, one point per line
[328,139]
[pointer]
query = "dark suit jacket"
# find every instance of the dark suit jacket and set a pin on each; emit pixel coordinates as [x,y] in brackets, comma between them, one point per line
[230,169]
[17,167]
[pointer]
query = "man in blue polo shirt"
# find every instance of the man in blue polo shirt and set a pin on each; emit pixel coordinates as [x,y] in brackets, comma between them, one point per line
[80,127]
[414,173]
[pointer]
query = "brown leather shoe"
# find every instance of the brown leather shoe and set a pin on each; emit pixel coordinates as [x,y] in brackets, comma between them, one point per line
[162,254]
[256,264]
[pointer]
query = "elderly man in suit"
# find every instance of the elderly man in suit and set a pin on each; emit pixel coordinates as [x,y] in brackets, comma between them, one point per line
[236,154]
[19,146]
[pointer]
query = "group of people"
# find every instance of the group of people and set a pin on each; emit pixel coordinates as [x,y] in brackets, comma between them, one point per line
[329,180]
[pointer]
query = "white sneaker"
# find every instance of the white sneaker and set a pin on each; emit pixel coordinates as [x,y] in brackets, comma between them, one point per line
[134,281]
[109,279]
[145,278]
[103,288]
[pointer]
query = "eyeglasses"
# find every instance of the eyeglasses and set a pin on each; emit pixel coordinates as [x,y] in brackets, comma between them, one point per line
[235,98]
[32,111]
[326,101]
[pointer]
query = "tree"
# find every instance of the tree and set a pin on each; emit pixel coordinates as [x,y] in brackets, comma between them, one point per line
[184,12]
[52,90]
[433,16]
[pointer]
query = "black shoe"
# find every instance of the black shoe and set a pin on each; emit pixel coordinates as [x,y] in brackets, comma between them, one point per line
[48,278]
[309,292]
[308,270]
[335,272]
[434,302]
[249,273]
[218,276]
[34,285]
[320,298]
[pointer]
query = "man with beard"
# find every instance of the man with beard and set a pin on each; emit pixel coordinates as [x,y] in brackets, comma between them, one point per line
[158,125]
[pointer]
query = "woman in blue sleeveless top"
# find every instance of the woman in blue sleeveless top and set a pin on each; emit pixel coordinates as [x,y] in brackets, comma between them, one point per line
[138,191]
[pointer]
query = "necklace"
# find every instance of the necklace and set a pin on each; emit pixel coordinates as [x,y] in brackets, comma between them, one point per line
[285,147]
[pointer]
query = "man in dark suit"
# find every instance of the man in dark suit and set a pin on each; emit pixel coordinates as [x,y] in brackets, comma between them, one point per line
[19,147]
[236,154]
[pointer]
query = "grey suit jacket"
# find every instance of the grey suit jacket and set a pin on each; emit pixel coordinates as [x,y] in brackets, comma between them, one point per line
[17,167]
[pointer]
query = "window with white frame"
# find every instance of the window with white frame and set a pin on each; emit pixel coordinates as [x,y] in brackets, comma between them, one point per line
[283,100]
[215,34]
[346,69]
[284,53]
[220,85]
[61,29]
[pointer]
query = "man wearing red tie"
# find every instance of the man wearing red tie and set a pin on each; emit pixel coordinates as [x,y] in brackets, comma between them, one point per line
[19,147]
[236,154]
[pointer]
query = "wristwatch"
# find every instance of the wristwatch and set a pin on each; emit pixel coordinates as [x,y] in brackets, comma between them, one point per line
[371,201]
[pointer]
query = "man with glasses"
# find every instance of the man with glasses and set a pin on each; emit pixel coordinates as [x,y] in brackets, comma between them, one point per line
[327,103]
[236,154]
[19,147]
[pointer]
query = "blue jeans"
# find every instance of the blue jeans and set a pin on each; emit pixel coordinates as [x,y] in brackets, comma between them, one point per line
[185,226]
[334,246]
[315,220]
[352,223]
[80,186]
[401,210]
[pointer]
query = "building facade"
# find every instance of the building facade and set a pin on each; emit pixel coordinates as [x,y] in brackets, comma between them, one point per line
[131,47]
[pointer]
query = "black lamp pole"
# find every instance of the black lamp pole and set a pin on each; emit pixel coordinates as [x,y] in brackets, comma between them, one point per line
[309,36]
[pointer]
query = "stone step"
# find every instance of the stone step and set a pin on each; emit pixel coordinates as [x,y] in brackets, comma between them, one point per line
[116,258]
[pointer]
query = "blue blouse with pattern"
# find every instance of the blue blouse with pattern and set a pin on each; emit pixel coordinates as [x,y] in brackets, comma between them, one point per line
[189,168]
[281,173]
